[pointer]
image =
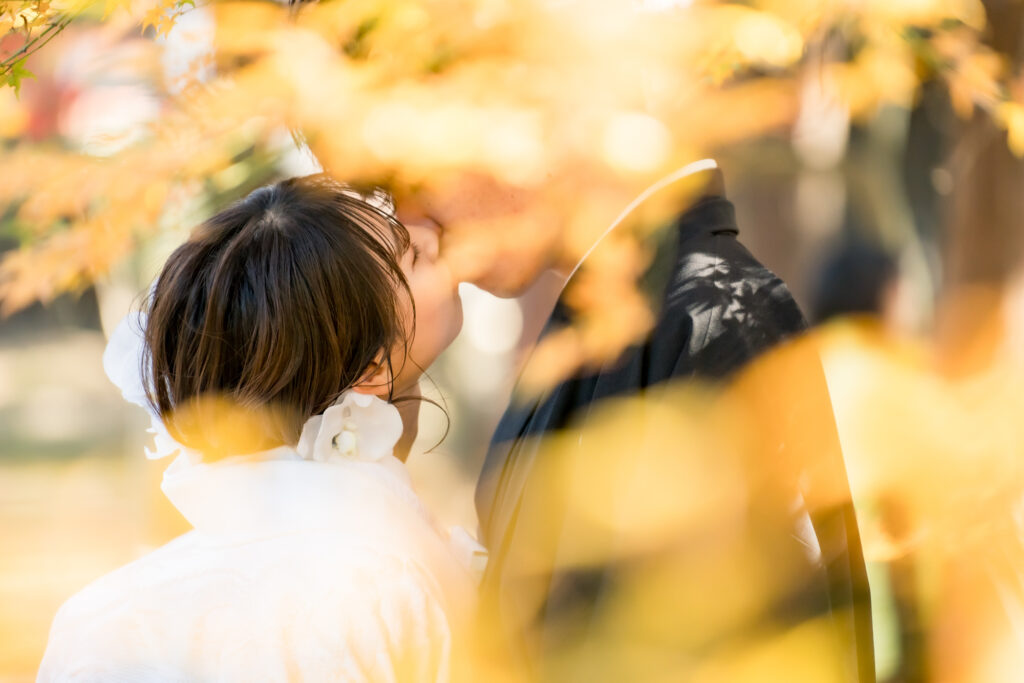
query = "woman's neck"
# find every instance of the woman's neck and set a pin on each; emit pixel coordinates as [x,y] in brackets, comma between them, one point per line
[409,408]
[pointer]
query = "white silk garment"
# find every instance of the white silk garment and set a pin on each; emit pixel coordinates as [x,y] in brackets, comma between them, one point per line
[296,570]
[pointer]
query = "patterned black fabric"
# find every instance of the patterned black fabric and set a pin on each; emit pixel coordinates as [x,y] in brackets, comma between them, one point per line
[720,308]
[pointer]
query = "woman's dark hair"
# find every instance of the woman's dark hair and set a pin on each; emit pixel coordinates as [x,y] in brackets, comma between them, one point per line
[276,305]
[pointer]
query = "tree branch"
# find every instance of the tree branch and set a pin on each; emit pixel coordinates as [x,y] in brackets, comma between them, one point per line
[33,45]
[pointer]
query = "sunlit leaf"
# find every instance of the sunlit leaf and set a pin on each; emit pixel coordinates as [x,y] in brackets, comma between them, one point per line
[17,74]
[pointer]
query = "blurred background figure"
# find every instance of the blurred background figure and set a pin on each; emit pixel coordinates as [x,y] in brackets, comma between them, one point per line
[856,278]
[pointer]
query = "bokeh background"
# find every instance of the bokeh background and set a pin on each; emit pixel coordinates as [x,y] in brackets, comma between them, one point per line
[869,150]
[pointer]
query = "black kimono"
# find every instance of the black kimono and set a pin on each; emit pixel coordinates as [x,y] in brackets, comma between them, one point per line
[719,309]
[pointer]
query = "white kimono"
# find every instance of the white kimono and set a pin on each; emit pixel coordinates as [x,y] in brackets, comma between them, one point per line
[313,563]
[296,570]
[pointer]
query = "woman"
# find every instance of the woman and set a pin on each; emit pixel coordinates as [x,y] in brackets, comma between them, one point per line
[278,341]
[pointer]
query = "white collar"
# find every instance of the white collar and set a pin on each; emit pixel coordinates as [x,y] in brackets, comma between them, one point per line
[277,490]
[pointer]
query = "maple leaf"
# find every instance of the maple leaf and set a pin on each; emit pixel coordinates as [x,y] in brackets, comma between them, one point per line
[161,17]
[17,73]
[152,17]
[166,23]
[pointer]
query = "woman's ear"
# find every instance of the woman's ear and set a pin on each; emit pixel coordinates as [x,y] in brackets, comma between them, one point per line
[376,381]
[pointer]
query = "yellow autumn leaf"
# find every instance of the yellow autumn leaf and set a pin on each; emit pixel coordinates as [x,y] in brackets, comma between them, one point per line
[161,17]
[1011,116]
[763,38]
[13,116]
[112,6]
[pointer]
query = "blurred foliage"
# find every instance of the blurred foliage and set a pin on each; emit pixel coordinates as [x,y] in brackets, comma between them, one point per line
[36,22]
[527,126]
[680,505]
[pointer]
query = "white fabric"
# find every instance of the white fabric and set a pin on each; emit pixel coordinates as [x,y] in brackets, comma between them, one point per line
[296,570]
[314,563]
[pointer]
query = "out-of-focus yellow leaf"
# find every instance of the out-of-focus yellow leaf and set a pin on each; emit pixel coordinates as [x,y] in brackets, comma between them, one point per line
[161,16]
[636,142]
[1011,116]
[876,77]
[112,6]
[974,79]
[13,116]
[804,654]
[928,12]
[27,276]
[219,427]
[557,354]
[241,27]
[763,38]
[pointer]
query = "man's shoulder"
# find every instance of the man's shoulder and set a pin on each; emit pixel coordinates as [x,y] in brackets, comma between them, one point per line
[734,307]
[716,272]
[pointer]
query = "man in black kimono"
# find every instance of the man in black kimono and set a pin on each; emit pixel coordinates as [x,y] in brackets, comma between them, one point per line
[718,310]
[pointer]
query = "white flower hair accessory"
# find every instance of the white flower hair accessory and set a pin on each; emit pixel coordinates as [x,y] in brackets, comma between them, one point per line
[358,426]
